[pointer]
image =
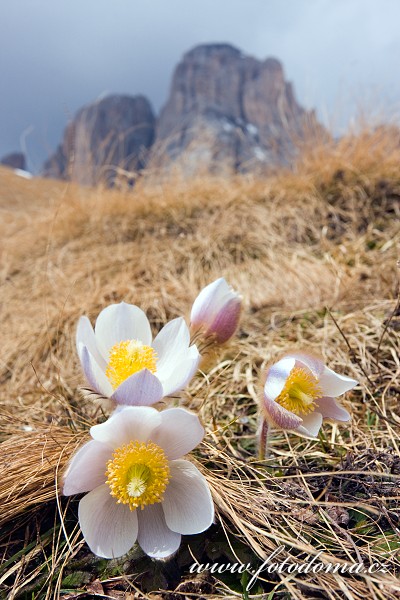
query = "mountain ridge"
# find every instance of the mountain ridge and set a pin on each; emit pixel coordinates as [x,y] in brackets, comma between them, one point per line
[226,111]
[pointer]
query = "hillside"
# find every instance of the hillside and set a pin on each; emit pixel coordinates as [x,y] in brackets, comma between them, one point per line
[314,253]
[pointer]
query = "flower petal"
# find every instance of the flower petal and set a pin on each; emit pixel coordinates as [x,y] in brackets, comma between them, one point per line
[180,431]
[182,373]
[333,384]
[171,344]
[311,424]
[313,363]
[131,423]
[187,505]
[85,336]
[277,375]
[121,322]
[87,468]
[155,538]
[110,529]
[280,416]
[95,376]
[140,389]
[208,302]
[331,409]
[226,321]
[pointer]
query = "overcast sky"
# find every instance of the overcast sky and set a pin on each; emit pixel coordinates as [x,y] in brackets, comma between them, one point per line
[56,56]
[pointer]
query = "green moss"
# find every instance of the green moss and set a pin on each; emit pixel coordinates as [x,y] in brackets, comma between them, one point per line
[76,579]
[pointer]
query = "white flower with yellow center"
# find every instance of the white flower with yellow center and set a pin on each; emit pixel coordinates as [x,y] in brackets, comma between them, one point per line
[121,361]
[300,391]
[140,489]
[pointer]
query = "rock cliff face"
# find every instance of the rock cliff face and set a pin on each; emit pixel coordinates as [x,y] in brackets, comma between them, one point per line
[228,109]
[105,137]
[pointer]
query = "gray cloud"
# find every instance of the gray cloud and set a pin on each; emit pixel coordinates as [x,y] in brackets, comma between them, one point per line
[57,56]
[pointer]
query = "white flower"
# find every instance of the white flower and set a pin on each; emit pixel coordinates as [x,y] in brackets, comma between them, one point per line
[216,311]
[139,486]
[300,392]
[121,361]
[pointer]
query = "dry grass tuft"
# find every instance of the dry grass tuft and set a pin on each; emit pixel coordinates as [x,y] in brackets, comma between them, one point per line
[30,463]
[314,254]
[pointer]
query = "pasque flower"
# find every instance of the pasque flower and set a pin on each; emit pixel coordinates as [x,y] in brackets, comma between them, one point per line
[300,391]
[121,361]
[139,486]
[216,311]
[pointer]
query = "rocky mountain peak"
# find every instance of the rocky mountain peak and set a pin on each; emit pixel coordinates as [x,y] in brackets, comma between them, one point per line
[109,135]
[226,108]
[205,51]
[14,160]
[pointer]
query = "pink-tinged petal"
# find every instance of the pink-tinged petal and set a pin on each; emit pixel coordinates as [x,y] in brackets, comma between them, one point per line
[182,373]
[208,302]
[280,416]
[85,337]
[311,424]
[171,344]
[118,323]
[180,431]
[87,468]
[313,363]
[155,538]
[110,529]
[141,389]
[226,321]
[331,409]
[187,505]
[277,376]
[132,423]
[333,384]
[94,374]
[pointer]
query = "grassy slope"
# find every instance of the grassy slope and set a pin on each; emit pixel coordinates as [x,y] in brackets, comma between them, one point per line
[324,236]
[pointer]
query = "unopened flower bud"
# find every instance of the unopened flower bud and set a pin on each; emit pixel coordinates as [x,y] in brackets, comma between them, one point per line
[216,311]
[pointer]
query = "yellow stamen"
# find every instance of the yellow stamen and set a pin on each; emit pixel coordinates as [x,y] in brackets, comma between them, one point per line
[127,358]
[138,474]
[300,392]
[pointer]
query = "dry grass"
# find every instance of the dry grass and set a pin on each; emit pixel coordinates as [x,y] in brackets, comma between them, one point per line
[322,237]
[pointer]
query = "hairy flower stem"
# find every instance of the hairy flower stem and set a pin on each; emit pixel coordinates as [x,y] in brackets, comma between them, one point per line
[263,439]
